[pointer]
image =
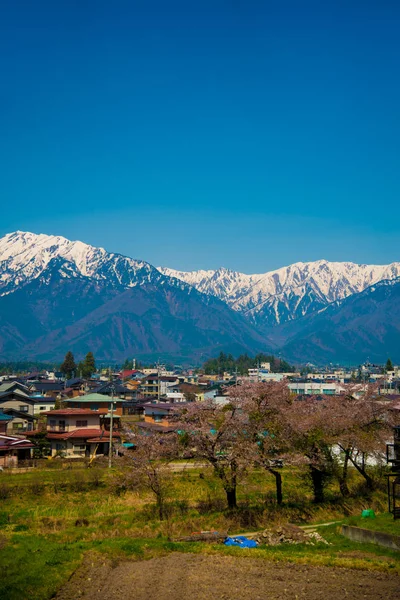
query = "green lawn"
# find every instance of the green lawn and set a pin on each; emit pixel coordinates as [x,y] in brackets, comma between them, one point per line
[383,522]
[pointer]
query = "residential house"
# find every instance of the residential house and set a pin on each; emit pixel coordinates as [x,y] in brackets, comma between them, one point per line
[158,417]
[153,385]
[13,449]
[310,388]
[175,397]
[12,386]
[43,404]
[17,403]
[75,386]
[47,387]
[97,402]
[75,432]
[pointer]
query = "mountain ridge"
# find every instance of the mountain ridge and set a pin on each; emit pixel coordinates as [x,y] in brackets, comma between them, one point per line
[56,294]
[288,293]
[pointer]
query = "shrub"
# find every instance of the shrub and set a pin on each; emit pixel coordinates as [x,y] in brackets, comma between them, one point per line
[5,491]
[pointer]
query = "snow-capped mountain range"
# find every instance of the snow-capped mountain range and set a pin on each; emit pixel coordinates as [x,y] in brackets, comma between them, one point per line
[289,292]
[57,294]
[25,256]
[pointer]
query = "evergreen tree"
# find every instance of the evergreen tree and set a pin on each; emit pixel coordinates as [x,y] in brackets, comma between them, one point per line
[88,365]
[389,365]
[68,367]
[127,364]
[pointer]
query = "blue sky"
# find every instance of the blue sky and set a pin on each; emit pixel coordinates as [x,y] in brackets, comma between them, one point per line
[195,134]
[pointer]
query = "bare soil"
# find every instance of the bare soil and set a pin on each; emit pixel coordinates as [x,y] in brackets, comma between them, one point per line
[201,577]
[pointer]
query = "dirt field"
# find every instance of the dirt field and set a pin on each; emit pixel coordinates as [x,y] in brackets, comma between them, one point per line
[198,577]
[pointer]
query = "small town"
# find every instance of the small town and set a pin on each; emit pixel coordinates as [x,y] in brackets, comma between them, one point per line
[245,453]
[46,414]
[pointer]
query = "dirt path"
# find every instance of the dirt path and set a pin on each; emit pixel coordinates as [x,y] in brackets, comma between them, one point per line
[199,577]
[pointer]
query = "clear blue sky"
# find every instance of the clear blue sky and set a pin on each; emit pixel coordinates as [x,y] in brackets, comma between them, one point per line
[194,134]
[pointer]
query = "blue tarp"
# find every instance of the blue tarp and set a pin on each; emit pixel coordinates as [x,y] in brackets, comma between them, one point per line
[241,541]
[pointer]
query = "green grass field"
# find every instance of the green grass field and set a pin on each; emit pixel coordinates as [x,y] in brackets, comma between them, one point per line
[50,517]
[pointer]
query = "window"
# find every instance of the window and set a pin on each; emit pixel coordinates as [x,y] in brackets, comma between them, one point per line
[81,424]
[158,418]
[94,407]
[17,425]
[79,447]
[61,425]
[60,446]
[42,408]
[23,408]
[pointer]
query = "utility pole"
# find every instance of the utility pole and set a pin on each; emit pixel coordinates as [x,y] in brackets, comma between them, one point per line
[111,428]
[158,379]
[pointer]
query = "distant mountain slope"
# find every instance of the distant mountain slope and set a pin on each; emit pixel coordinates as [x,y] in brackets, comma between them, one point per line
[363,326]
[288,293]
[58,295]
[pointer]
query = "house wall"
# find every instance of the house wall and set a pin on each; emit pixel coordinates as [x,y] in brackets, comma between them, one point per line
[9,460]
[18,425]
[53,422]
[16,404]
[76,448]
[43,406]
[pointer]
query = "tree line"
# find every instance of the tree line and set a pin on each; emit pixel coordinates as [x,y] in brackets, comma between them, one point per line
[227,363]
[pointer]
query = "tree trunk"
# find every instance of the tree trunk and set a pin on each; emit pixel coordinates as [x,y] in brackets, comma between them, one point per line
[231,498]
[160,506]
[317,478]
[278,485]
[344,488]
[368,479]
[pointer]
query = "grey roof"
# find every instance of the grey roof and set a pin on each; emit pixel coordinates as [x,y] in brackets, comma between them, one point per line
[5,387]
[47,385]
[93,398]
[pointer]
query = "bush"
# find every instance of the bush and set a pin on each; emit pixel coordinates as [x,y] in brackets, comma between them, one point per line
[5,491]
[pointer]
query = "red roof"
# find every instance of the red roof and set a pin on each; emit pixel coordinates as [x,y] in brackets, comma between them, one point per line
[8,441]
[128,372]
[106,437]
[71,411]
[83,432]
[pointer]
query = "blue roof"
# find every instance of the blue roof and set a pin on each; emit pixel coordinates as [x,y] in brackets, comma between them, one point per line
[5,417]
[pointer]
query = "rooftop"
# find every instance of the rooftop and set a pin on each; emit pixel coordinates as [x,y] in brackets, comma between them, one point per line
[71,411]
[84,433]
[95,398]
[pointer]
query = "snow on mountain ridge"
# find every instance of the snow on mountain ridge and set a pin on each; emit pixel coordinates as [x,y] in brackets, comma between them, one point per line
[266,298]
[288,292]
[24,256]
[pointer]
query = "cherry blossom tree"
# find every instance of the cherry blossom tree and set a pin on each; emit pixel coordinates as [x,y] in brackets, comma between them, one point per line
[149,463]
[216,434]
[268,437]
[361,425]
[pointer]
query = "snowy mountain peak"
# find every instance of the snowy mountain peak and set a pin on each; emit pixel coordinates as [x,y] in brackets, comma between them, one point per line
[268,298]
[24,256]
[288,292]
